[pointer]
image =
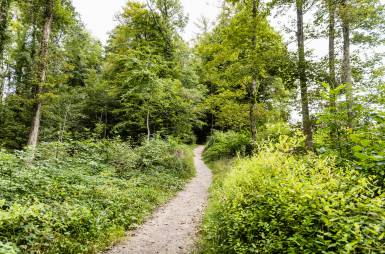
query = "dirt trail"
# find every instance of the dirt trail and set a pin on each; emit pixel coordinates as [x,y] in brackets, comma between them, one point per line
[173,228]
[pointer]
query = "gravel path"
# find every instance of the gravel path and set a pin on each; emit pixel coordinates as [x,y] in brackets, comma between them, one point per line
[173,228]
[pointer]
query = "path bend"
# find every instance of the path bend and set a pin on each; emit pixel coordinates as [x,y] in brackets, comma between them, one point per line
[173,228]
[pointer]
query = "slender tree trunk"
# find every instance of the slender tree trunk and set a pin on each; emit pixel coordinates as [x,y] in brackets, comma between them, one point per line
[307,128]
[4,9]
[1,91]
[335,134]
[148,125]
[253,90]
[34,134]
[332,54]
[346,64]
[105,123]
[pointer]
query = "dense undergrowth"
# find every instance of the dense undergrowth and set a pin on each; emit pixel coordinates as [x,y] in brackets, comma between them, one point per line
[226,145]
[280,202]
[79,197]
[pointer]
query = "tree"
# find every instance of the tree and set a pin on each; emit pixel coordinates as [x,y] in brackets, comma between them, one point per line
[4,10]
[301,67]
[346,76]
[42,69]
[362,22]
[307,126]
[245,67]
[331,5]
[148,74]
[253,89]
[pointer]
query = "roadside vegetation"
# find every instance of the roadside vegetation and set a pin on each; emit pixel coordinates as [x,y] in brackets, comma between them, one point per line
[280,200]
[79,197]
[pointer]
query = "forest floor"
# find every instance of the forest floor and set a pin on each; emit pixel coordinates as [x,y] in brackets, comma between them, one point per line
[174,227]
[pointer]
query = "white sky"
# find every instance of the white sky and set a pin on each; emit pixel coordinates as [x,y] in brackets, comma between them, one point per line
[99,15]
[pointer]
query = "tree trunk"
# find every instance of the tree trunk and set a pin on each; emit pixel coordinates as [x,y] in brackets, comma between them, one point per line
[332,54]
[148,125]
[307,128]
[346,65]
[4,9]
[253,89]
[334,133]
[42,69]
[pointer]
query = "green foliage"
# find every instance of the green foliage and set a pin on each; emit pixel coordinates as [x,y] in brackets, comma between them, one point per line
[148,73]
[161,156]
[79,197]
[368,147]
[361,144]
[276,202]
[7,248]
[271,132]
[15,114]
[230,62]
[223,145]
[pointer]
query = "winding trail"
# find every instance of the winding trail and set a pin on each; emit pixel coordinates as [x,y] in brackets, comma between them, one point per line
[173,228]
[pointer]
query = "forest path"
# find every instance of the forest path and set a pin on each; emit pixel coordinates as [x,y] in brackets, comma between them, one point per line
[173,228]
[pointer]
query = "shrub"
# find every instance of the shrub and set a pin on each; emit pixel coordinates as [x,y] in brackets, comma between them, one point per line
[160,155]
[123,157]
[89,195]
[279,203]
[271,132]
[223,145]
[368,148]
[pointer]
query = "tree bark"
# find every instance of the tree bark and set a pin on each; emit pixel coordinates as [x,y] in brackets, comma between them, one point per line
[148,125]
[307,128]
[332,54]
[42,69]
[4,9]
[334,132]
[253,88]
[347,79]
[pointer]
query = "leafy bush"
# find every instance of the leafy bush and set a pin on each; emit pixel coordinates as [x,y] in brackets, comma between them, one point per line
[87,196]
[160,156]
[271,132]
[226,145]
[279,203]
[363,146]
[368,146]
[123,157]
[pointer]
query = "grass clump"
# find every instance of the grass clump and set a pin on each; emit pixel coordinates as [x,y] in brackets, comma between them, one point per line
[277,202]
[79,197]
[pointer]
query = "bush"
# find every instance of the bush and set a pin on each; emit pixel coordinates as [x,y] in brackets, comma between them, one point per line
[279,203]
[86,197]
[160,155]
[223,145]
[271,132]
[368,148]
[123,157]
